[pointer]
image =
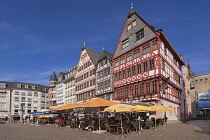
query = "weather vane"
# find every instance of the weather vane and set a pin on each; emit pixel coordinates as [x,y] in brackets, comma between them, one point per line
[84,43]
[103,47]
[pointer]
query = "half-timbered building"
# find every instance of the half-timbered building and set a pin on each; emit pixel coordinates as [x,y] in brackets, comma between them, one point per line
[146,66]
[104,85]
[85,75]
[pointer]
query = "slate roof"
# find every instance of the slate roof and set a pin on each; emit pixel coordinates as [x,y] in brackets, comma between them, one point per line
[53,77]
[106,54]
[149,34]
[14,85]
[94,56]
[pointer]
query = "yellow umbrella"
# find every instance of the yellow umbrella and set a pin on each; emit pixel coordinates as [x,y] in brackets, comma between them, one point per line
[140,108]
[170,109]
[119,108]
[158,108]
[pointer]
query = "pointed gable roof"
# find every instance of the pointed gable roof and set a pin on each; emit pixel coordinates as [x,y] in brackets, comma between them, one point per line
[94,56]
[106,54]
[53,77]
[149,33]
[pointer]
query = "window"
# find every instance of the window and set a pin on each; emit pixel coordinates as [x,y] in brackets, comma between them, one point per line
[116,63]
[133,70]
[129,27]
[26,86]
[136,90]
[134,23]
[131,90]
[129,57]
[145,66]
[151,63]
[206,78]
[119,75]
[33,87]
[154,45]
[163,65]
[125,44]
[139,68]
[129,72]
[148,87]
[16,93]
[136,53]
[126,92]
[19,85]
[140,34]
[141,88]
[123,74]
[35,93]
[122,60]
[146,49]
[2,85]
[154,86]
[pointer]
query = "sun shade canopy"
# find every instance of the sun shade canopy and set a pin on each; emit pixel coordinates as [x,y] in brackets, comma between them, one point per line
[98,102]
[119,108]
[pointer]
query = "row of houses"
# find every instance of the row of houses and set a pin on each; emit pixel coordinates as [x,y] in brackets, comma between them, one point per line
[144,67]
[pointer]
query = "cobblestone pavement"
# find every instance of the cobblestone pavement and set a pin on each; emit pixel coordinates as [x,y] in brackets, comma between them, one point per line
[191,130]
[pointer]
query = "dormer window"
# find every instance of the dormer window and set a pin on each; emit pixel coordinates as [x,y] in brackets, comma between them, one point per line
[19,85]
[2,85]
[131,25]
[33,87]
[125,43]
[140,34]
[26,86]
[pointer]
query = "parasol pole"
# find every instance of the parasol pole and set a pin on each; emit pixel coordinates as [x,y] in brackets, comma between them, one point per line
[122,136]
[140,124]
[155,121]
[99,121]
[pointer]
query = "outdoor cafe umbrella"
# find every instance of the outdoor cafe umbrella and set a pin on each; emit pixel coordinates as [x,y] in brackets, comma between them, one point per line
[157,109]
[94,105]
[120,108]
[140,108]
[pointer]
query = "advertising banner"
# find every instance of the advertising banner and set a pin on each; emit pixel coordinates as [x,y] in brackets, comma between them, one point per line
[204,100]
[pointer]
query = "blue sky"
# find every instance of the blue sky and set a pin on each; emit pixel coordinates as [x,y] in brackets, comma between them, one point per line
[39,36]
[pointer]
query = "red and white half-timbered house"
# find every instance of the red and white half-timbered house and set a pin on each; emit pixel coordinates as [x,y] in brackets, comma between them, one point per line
[85,75]
[146,67]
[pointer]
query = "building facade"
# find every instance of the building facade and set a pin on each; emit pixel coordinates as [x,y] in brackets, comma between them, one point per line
[32,97]
[85,75]
[52,90]
[146,66]
[104,83]
[60,89]
[185,99]
[69,86]
[200,95]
